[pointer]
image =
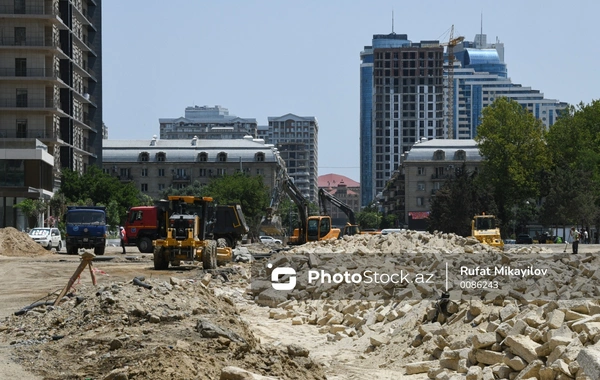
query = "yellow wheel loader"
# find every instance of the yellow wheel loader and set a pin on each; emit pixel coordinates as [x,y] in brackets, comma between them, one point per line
[484,229]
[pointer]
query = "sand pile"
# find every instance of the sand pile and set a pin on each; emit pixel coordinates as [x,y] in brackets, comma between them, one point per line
[16,243]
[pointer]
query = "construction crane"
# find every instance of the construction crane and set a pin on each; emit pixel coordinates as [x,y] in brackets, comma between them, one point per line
[452,42]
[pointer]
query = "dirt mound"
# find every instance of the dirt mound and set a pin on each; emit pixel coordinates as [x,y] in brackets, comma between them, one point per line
[176,330]
[16,243]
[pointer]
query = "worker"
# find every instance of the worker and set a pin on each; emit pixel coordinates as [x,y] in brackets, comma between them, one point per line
[123,237]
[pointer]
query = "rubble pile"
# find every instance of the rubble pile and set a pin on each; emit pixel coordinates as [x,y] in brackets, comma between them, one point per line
[177,329]
[16,243]
[530,327]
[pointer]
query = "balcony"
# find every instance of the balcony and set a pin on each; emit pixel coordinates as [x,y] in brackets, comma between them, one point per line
[29,73]
[178,178]
[30,9]
[38,40]
[42,134]
[28,103]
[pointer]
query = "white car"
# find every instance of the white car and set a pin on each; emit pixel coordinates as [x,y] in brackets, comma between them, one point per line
[269,239]
[48,237]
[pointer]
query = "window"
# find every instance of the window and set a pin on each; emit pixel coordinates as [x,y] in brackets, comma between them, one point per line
[21,129]
[203,157]
[144,187]
[144,172]
[21,67]
[161,186]
[420,201]
[202,172]
[144,157]
[461,155]
[161,172]
[161,156]
[259,157]
[421,186]
[221,172]
[439,155]
[222,157]
[20,7]
[420,170]
[20,35]
[21,97]
[124,173]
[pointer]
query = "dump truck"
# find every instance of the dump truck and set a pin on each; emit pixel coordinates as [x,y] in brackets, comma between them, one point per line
[86,228]
[186,235]
[485,229]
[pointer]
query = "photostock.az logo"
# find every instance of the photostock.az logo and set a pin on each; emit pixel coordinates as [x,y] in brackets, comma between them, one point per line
[277,272]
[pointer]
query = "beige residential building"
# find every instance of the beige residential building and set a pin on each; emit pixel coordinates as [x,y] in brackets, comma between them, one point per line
[50,96]
[154,165]
[426,167]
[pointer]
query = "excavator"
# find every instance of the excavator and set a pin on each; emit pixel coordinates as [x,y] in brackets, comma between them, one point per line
[311,228]
[351,228]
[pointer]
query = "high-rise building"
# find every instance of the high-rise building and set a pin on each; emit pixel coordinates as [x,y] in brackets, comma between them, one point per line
[297,139]
[207,123]
[51,93]
[401,101]
[481,77]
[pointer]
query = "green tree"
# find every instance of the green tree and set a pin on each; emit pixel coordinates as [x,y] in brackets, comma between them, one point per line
[513,145]
[32,208]
[574,143]
[455,204]
[97,188]
[369,218]
[249,192]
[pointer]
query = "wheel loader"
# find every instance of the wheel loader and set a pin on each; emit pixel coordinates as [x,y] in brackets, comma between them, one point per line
[484,229]
[187,238]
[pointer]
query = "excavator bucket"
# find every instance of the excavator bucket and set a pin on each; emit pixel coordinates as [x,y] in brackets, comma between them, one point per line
[271,225]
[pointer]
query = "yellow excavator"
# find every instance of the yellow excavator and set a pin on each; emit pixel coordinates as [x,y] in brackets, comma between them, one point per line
[187,238]
[485,229]
[351,228]
[310,228]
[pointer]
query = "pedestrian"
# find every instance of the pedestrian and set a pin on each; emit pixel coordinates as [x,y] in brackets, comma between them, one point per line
[574,235]
[586,237]
[123,237]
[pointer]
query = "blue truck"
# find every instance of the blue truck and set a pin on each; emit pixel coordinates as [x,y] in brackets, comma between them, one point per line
[86,228]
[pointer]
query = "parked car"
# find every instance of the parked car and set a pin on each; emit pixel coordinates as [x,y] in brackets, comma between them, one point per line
[524,239]
[48,237]
[269,239]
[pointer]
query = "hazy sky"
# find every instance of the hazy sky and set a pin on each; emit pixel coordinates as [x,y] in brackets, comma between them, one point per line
[268,58]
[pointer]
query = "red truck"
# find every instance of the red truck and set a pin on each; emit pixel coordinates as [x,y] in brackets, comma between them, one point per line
[147,223]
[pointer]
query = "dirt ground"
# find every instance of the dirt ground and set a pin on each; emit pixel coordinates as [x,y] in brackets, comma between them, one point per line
[121,337]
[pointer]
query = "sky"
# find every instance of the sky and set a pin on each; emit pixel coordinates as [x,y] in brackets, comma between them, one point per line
[262,58]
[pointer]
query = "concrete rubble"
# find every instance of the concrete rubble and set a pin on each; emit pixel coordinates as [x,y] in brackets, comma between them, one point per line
[538,327]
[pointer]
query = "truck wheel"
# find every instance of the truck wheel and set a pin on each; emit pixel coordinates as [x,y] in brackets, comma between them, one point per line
[221,242]
[145,245]
[99,251]
[160,262]
[59,246]
[209,255]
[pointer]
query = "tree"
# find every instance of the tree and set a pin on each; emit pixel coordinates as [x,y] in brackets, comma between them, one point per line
[32,208]
[97,188]
[574,143]
[249,192]
[513,145]
[455,204]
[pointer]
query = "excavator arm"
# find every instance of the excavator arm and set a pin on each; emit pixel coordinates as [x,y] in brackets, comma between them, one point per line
[324,196]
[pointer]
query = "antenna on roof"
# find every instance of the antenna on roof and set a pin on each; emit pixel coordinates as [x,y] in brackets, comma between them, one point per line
[392,21]
[481,32]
